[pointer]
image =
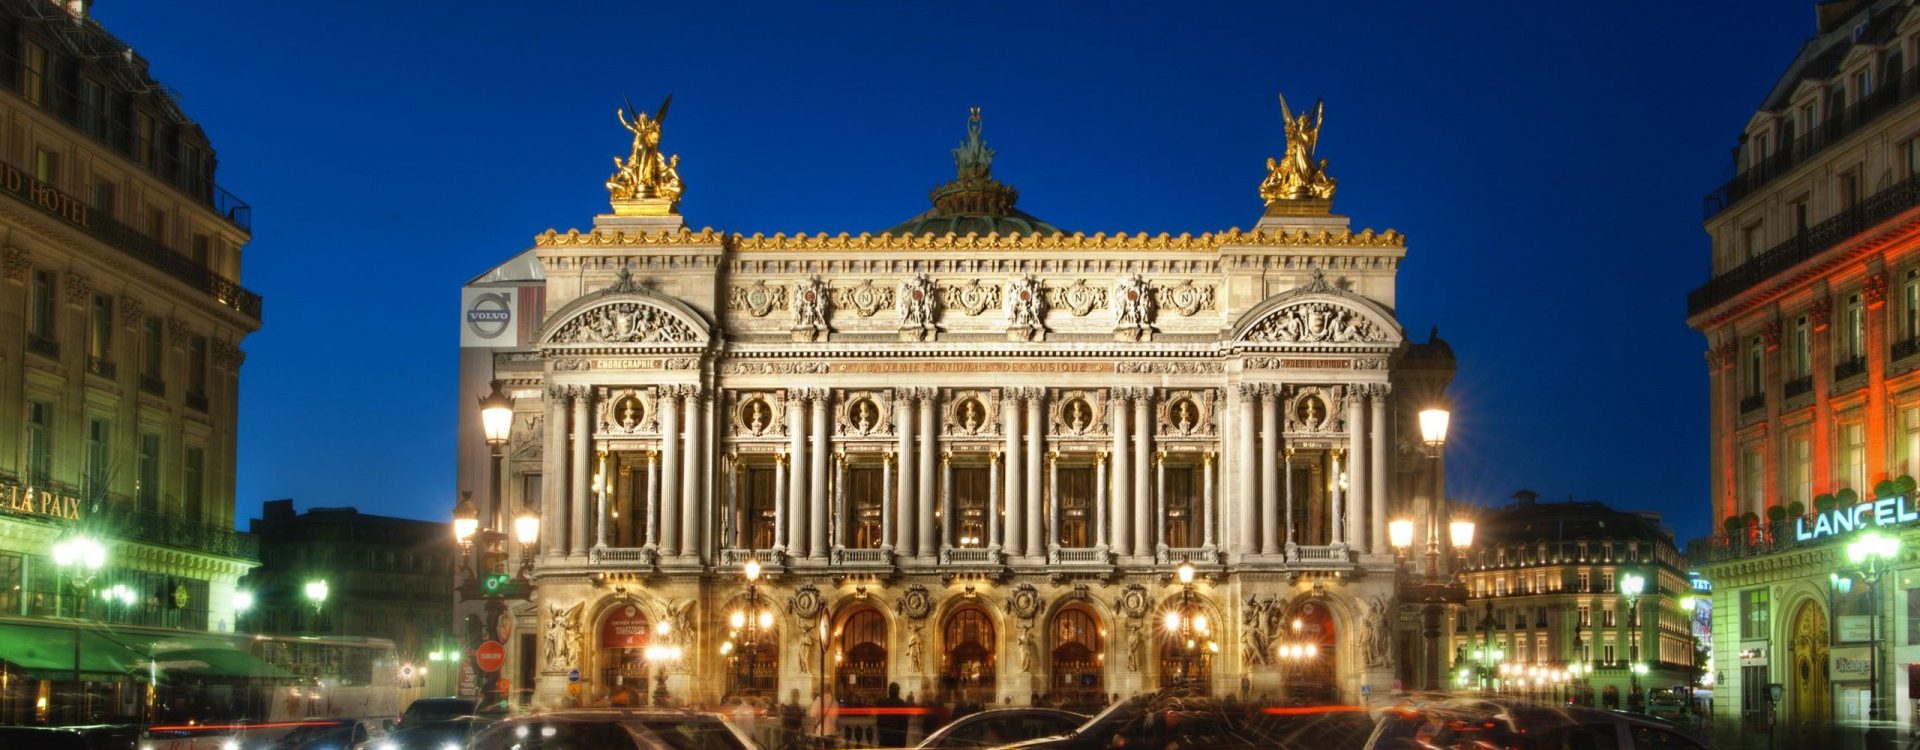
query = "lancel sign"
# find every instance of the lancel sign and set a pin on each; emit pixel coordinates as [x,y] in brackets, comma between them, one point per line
[1886,511]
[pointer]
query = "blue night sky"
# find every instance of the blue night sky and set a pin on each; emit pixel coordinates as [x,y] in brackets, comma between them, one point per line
[1546,160]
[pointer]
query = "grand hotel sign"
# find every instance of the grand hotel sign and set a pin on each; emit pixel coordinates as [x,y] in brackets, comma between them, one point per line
[1886,511]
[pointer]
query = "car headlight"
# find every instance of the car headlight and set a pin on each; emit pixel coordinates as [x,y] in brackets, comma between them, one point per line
[230,745]
[450,746]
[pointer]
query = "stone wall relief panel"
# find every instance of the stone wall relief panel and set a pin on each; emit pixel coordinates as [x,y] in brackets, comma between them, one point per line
[1077,412]
[756,414]
[864,299]
[1316,322]
[1027,302]
[625,323]
[812,304]
[1187,412]
[1186,298]
[918,302]
[1079,298]
[1133,308]
[758,299]
[971,412]
[626,411]
[528,436]
[973,298]
[864,413]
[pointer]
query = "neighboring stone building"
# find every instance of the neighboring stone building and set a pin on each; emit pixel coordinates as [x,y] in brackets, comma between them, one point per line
[1545,600]
[1812,321]
[120,325]
[389,578]
[970,450]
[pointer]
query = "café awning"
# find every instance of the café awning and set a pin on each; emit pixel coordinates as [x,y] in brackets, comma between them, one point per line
[55,651]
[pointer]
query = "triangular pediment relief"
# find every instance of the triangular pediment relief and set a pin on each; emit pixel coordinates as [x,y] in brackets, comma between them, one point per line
[1319,316]
[626,315]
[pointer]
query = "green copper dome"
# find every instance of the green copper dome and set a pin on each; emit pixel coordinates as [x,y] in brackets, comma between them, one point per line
[974,202]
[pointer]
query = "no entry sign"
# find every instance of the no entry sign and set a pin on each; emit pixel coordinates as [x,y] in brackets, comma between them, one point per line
[490,657]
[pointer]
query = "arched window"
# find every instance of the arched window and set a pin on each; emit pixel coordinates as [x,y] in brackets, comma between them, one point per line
[1077,659]
[968,656]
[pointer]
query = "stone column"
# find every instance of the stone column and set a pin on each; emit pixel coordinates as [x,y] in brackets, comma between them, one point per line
[797,472]
[582,442]
[1036,445]
[1270,473]
[928,441]
[1160,491]
[838,530]
[993,503]
[1053,502]
[780,501]
[1099,536]
[670,476]
[903,532]
[693,460]
[1336,518]
[1358,532]
[553,467]
[1122,473]
[946,501]
[1016,482]
[822,445]
[1143,500]
[1378,468]
[1249,451]
[1207,497]
[886,503]
[653,499]
[600,509]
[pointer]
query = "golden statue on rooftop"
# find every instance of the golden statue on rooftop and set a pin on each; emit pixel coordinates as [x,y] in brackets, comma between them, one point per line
[647,181]
[1296,177]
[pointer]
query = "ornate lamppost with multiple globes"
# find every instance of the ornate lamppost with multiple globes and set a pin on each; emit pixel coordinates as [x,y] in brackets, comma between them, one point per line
[1192,634]
[748,628]
[482,548]
[1430,587]
[1873,554]
[1632,585]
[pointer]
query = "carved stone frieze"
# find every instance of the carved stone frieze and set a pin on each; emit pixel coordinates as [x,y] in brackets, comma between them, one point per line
[178,332]
[971,412]
[1770,333]
[625,323]
[915,603]
[806,602]
[131,311]
[527,437]
[1316,323]
[1026,309]
[1133,308]
[972,298]
[1874,289]
[1025,602]
[773,368]
[14,264]
[1080,298]
[1186,297]
[864,413]
[758,299]
[1168,367]
[757,414]
[1133,601]
[864,299]
[79,289]
[1821,313]
[1186,412]
[1078,412]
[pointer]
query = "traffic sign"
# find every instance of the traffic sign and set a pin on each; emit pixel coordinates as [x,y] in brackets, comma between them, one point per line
[490,657]
[573,675]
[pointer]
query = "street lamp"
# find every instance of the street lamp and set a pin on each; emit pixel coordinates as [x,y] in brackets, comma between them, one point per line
[750,624]
[1873,553]
[661,655]
[1429,587]
[496,422]
[1631,586]
[81,558]
[242,601]
[1189,628]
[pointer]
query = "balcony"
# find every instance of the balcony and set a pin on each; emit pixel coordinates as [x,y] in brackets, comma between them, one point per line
[43,346]
[1848,368]
[643,557]
[38,196]
[119,518]
[197,401]
[1753,403]
[1799,386]
[1904,349]
[869,558]
[1891,94]
[969,556]
[153,384]
[102,367]
[1816,239]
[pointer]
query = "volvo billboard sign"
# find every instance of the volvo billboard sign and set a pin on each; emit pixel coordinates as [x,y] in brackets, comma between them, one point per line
[487,318]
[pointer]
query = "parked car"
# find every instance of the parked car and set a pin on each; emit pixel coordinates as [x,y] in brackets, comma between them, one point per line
[436,709]
[339,734]
[1001,726]
[1485,725]
[1178,720]
[613,729]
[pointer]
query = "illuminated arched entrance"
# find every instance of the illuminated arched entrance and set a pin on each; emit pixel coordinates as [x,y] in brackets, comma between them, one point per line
[1807,664]
[621,656]
[968,658]
[1078,659]
[860,656]
[1306,650]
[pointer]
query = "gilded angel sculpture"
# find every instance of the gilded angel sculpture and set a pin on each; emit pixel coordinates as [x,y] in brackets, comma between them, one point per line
[1296,176]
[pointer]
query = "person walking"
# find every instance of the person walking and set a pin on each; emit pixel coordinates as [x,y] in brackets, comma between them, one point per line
[892,718]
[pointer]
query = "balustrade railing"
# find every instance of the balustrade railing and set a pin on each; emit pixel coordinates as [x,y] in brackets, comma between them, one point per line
[1812,241]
